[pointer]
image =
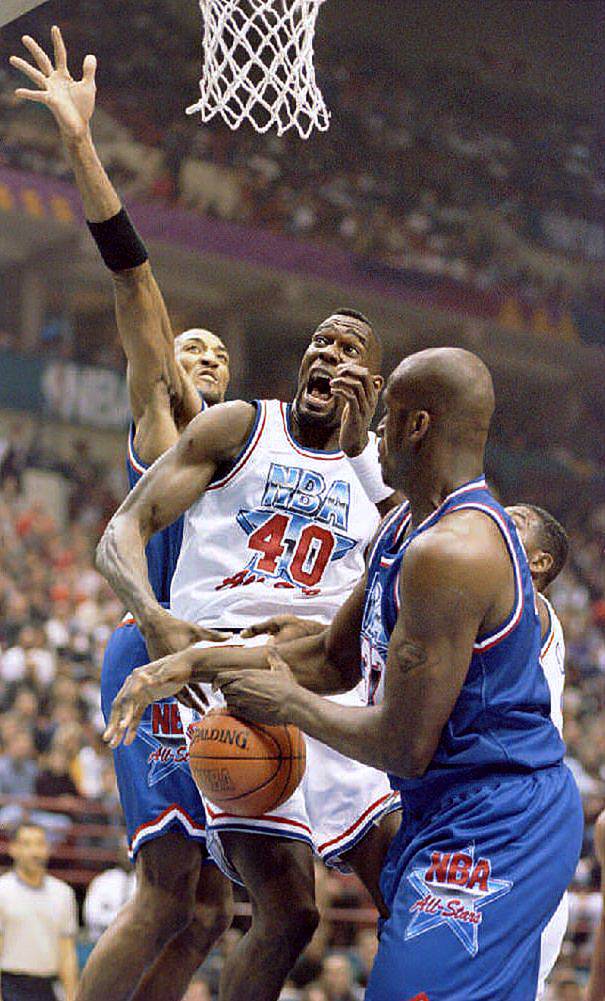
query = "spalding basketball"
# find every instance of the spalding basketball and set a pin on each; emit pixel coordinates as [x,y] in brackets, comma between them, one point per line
[247,769]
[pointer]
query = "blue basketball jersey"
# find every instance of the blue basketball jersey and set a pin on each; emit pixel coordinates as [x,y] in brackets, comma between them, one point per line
[157,791]
[163,548]
[500,723]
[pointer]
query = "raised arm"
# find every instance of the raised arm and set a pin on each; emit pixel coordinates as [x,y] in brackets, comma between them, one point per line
[165,492]
[143,322]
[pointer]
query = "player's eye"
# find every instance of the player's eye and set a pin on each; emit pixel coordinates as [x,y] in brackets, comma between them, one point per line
[320,339]
[352,349]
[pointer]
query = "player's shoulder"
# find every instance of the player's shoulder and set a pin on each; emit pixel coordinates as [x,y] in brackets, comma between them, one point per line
[460,548]
[224,428]
[460,535]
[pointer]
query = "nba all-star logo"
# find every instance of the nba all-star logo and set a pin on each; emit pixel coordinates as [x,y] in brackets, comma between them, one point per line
[453,891]
[161,729]
[299,528]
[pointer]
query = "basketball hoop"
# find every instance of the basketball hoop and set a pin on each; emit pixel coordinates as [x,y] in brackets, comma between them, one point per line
[258,65]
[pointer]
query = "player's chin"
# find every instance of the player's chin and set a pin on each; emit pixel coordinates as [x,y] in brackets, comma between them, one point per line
[315,411]
[211,392]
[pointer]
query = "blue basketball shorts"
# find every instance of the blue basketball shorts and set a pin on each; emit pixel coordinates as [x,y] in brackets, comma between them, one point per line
[471,883]
[156,789]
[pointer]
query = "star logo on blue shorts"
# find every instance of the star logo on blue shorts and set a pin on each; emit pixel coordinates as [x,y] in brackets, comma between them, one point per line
[453,891]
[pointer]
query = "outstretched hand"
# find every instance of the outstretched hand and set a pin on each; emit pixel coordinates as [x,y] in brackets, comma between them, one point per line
[72,102]
[159,680]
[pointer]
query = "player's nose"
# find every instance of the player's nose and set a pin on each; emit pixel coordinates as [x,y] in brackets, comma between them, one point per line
[330,353]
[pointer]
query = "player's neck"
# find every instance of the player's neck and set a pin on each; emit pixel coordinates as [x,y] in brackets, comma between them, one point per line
[315,437]
[433,484]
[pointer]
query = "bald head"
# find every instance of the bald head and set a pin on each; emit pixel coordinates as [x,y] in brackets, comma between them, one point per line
[439,406]
[453,385]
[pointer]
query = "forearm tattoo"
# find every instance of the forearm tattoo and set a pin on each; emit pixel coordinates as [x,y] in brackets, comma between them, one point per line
[408,656]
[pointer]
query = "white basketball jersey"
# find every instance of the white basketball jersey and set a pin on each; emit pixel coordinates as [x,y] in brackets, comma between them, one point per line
[552,658]
[284,530]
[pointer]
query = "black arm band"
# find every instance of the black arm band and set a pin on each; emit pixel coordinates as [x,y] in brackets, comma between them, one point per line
[119,243]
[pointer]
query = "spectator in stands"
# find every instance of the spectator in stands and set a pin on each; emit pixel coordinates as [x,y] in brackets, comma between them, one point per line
[38,924]
[337,979]
[18,768]
[54,778]
[106,895]
[314,992]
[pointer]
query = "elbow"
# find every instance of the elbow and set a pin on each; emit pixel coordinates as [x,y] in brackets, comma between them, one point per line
[414,761]
[105,552]
[101,552]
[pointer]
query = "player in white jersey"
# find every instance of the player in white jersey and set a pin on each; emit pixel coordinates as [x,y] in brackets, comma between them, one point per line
[546,543]
[277,521]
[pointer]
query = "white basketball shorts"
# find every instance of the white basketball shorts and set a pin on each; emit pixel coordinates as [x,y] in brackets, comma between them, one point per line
[334,807]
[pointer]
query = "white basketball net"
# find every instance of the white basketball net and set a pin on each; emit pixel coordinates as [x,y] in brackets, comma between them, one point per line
[258,65]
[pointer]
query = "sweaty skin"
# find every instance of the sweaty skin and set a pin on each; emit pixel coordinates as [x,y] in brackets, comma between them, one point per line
[335,383]
[439,405]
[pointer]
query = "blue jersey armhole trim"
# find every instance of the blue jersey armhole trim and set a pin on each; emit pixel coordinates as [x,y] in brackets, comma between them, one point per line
[512,620]
[228,467]
[132,459]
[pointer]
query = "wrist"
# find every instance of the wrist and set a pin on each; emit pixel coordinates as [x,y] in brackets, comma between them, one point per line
[296,710]
[366,466]
[150,618]
[354,451]
[75,142]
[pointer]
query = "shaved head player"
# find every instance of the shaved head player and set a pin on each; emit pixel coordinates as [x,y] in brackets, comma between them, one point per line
[445,631]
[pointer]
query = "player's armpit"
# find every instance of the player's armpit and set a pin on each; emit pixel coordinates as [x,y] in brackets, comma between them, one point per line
[444,596]
[164,493]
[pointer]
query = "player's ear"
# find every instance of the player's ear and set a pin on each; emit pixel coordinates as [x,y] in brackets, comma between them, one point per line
[418,424]
[378,381]
[541,563]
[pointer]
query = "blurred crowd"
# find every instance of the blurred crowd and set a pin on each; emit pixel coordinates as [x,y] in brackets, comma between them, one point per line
[56,613]
[430,176]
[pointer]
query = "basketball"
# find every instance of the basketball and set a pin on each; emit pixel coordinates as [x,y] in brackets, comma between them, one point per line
[247,769]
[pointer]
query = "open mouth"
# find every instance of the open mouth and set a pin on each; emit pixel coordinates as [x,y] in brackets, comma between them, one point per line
[319,388]
[207,376]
